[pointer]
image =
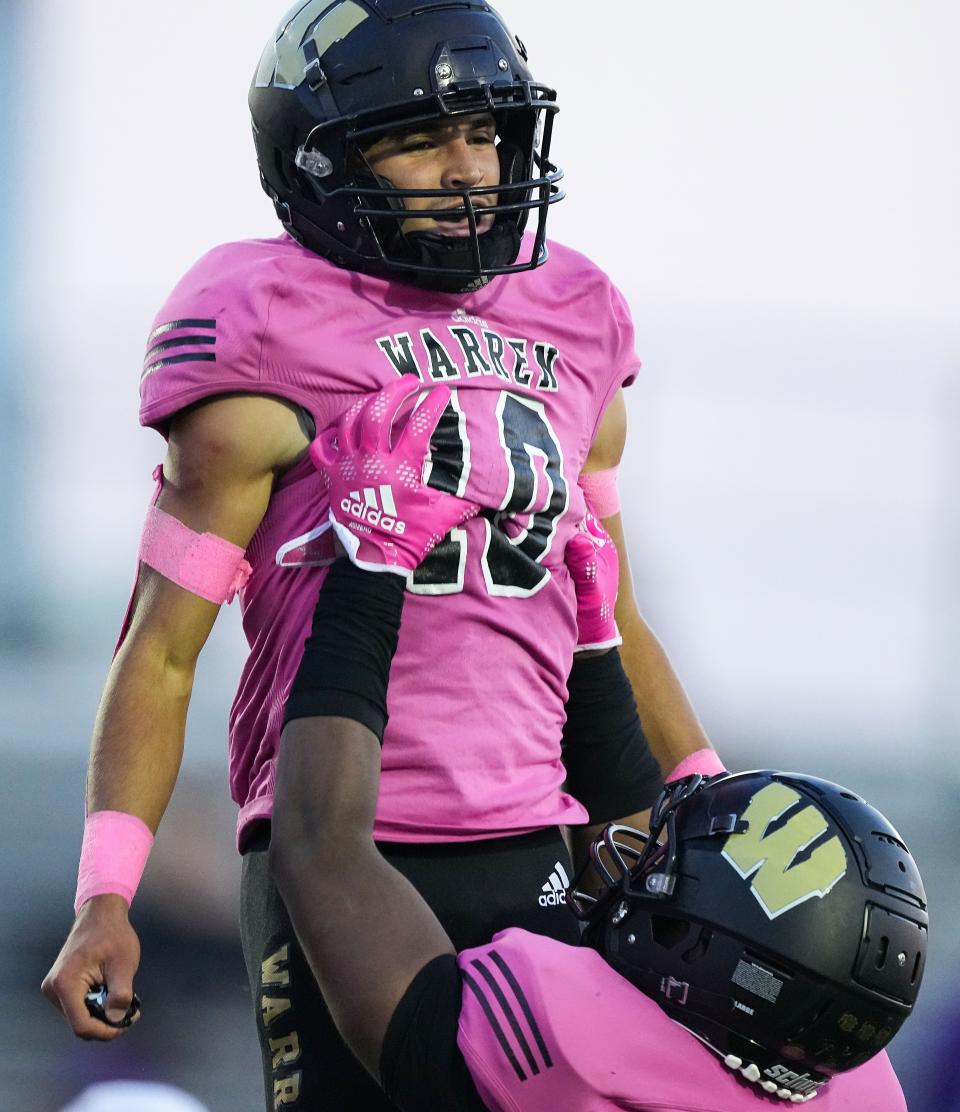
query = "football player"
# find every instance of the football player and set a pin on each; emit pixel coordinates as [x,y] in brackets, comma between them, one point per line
[767,947]
[407,151]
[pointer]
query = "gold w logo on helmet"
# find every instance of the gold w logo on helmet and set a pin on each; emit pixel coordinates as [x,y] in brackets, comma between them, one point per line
[779,884]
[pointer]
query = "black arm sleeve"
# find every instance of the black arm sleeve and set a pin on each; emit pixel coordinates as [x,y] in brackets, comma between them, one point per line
[610,768]
[346,660]
[421,1066]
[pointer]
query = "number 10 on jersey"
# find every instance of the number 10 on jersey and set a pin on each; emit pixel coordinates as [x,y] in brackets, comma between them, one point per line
[520,533]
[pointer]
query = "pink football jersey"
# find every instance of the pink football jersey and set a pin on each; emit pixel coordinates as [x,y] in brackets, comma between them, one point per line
[546,1026]
[479,680]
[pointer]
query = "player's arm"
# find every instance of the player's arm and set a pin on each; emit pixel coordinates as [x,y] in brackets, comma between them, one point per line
[364,928]
[670,725]
[384,963]
[222,461]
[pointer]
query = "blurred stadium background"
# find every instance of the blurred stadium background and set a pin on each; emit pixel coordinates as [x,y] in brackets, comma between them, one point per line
[774,186]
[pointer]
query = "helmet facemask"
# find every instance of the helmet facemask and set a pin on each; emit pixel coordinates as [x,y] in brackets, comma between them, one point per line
[378,208]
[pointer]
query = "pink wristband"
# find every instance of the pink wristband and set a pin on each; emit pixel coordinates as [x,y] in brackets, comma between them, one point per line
[600,491]
[115,850]
[705,761]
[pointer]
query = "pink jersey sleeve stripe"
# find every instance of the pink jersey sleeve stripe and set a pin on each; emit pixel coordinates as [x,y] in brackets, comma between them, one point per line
[509,997]
[176,325]
[165,345]
[494,1024]
[514,984]
[172,351]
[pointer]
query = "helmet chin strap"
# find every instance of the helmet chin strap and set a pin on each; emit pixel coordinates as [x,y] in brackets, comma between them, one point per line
[498,247]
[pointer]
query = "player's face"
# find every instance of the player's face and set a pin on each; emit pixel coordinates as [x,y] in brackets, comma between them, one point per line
[458,154]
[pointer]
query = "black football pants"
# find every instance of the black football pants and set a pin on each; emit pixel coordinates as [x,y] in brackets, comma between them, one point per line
[475,888]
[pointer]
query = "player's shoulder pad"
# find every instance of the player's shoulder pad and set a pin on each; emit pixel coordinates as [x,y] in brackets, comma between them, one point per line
[208,336]
[572,281]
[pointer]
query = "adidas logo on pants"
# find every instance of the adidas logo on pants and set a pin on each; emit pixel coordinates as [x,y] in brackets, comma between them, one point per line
[555,890]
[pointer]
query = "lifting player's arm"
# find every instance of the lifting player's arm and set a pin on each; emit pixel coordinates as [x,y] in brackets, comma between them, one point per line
[670,723]
[365,929]
[222,460]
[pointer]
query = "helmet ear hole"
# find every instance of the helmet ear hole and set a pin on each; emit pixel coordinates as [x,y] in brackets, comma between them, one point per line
[668,932]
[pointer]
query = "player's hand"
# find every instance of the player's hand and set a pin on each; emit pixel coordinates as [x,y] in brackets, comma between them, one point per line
[383,513]
[102,948]
[592,560]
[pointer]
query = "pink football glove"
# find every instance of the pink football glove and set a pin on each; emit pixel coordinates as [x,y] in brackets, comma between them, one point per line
[383,513]
[591,557]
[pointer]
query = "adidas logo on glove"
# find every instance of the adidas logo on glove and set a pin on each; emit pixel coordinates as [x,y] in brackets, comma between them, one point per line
[392,525]
[364,506]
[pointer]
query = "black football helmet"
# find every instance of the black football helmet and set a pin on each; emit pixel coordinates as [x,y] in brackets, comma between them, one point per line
[339,74]
[781,920]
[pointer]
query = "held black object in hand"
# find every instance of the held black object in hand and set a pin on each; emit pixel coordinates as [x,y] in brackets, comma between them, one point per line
[96,1001]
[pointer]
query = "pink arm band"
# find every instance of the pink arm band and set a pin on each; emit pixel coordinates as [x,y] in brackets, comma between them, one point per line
[704,761]
[202,563]
[114,853]
[600,490]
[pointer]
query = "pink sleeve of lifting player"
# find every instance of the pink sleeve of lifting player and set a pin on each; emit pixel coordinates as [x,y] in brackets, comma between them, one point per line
[600,491]
[202,563]
[505,1043]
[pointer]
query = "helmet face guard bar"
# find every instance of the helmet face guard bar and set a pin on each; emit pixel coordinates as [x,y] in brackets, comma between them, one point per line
[648,871]
[460,100]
